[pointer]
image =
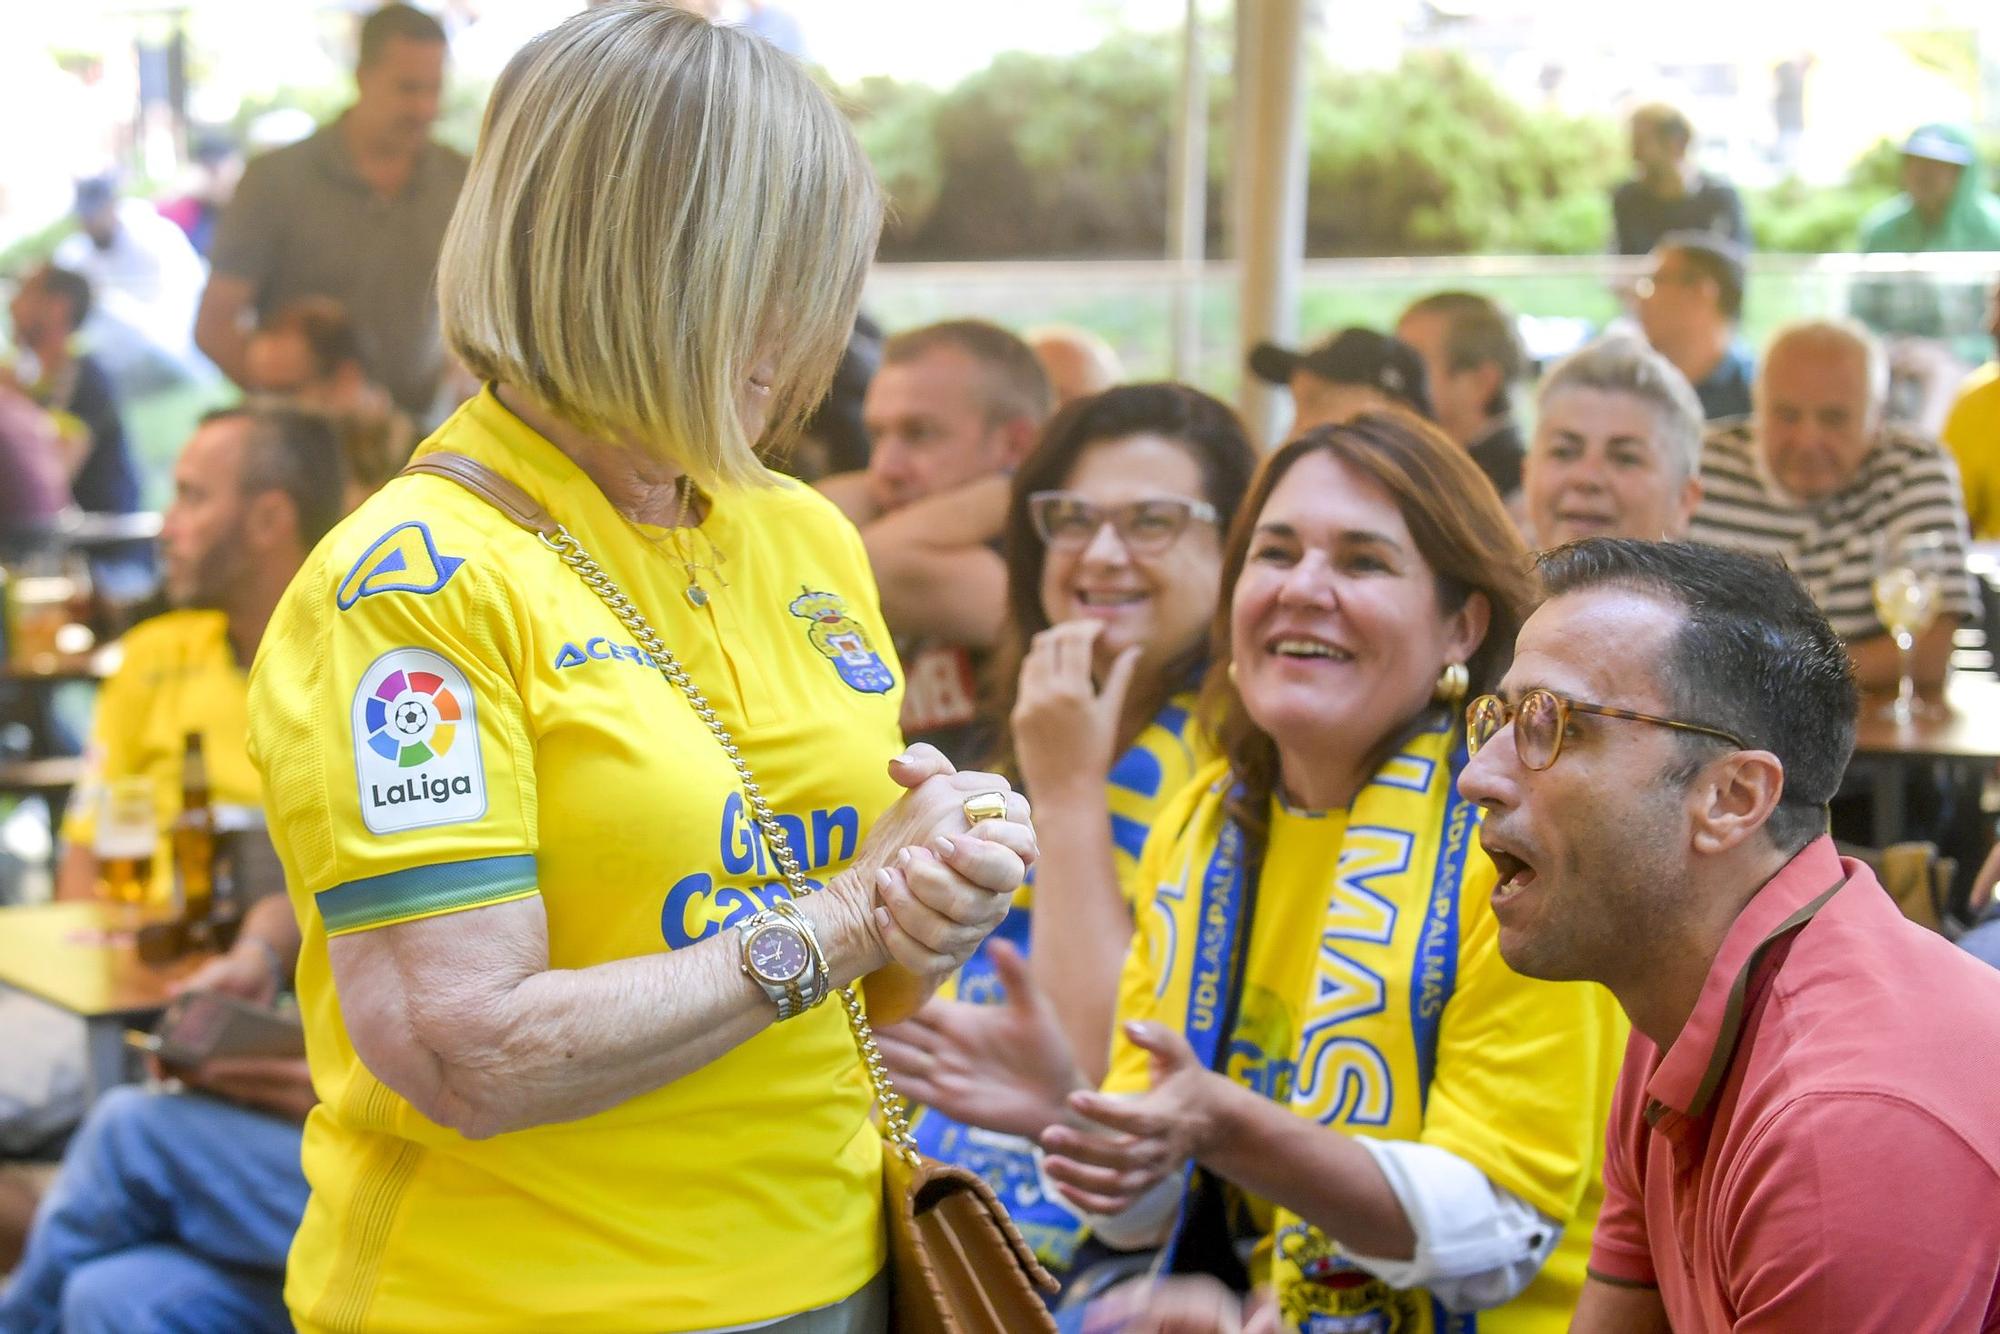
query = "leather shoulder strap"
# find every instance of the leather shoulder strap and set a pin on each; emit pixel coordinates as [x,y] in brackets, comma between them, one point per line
[490,487]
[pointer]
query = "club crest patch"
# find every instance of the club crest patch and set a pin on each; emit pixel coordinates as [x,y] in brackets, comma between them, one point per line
[416,744]
[843,641]
[402,560]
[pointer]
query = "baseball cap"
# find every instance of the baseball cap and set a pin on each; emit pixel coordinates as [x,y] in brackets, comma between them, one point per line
[1720,256]
[1352,356]
[1930,141]
[94,193]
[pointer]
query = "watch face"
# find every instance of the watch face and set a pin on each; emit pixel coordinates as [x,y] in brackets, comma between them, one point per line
[778,953]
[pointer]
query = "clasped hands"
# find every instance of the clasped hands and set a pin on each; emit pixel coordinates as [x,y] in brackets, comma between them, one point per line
[930,884]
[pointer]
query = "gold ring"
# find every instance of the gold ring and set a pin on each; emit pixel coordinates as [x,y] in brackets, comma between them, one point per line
[985,806]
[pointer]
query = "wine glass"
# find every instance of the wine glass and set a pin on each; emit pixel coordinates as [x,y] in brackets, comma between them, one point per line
[1908,567]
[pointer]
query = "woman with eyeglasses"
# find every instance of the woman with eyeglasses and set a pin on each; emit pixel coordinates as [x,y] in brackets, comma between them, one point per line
[1327,1090]
[1113,543]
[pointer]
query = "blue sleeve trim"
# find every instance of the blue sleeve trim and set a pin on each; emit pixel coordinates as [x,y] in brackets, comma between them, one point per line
[425,891]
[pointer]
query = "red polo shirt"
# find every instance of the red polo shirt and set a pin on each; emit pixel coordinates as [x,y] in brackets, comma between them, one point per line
[1820,1147]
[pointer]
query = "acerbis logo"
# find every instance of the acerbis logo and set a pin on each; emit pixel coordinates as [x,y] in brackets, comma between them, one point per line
[599,649]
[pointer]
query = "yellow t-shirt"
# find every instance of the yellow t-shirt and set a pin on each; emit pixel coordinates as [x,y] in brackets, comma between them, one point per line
[178,675]
[448,718]
[1972,431]
[1524,1069]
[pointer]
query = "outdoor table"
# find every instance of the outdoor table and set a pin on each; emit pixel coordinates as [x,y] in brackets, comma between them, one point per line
[82,957]
[50,779]
[1963,736]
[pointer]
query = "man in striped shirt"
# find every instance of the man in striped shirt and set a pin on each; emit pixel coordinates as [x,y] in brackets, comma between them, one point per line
[1815,477]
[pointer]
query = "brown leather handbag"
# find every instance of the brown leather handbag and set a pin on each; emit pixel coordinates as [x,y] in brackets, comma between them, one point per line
[958,1264]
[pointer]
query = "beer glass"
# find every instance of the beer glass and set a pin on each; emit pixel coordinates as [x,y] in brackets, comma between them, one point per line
[127,839]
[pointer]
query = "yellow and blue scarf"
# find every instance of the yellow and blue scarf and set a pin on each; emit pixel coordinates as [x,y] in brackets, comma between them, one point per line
[1406,843]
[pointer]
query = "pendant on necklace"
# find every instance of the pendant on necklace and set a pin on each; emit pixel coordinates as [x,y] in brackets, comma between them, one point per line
[697,596]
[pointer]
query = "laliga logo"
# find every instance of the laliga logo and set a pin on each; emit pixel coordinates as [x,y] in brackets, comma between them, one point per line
[413,712]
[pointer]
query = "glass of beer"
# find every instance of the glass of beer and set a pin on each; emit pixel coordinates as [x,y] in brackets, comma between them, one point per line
[127,836]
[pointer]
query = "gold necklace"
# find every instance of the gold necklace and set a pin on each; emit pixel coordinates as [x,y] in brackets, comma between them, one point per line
[696,595]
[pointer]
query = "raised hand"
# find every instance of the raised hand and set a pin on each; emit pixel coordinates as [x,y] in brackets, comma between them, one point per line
[1064,727]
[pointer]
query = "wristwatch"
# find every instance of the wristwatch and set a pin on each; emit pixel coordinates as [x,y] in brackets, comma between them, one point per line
[781,954]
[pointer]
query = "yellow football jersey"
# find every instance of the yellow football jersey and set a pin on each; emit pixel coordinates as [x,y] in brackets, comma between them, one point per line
[1972,432]
[1340,975]
[178,675]
[447,718]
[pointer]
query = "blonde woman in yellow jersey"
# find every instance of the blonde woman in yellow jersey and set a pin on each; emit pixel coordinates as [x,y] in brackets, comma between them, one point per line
[561,1012]
[1328,1089]
[1113,545]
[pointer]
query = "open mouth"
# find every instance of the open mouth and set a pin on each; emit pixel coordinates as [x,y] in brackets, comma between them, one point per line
[1585,520]
[1100,600]
[1301,648]
[1516,874]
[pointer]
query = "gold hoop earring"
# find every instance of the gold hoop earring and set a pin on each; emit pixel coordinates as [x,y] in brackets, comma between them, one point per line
[1452,684]
[1230,671]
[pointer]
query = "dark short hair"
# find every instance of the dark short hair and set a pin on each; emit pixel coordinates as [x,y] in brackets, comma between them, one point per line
[836,423]
[329,335]
[71,286]
[1668,120]
[1206,429]
[1716,257]
[1017,386]
[393,23]
[1477,333]
[1754,656]
[296,452]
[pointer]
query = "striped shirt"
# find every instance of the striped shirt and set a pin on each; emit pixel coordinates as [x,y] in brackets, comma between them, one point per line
[1907,485]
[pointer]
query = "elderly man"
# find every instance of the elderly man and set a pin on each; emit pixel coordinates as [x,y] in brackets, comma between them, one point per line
[1817,479]
[951,411]
[1802,1137]
[357,212]
[1472,357]
[1617,447]
[1668,192]
[1351,372]
[1689,307]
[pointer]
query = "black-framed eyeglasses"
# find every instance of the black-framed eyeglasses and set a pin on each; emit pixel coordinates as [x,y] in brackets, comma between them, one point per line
[1065,521]
[1541,720]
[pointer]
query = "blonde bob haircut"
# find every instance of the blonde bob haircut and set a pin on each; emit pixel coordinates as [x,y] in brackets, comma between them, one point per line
[657,206]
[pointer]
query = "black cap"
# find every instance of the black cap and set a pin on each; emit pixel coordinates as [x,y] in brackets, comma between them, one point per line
[1352,356]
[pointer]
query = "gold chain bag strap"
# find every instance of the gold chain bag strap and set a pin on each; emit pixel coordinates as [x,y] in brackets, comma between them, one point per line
[959,1264]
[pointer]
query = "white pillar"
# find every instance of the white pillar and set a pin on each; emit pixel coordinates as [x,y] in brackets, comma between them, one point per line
[1269,189]
[1187,201]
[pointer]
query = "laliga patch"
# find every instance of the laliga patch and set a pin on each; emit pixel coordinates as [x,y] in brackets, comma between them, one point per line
[843,641]
[402,560]
[416,744]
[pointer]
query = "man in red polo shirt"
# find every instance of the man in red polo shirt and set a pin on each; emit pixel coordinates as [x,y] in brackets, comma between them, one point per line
[1806,1135]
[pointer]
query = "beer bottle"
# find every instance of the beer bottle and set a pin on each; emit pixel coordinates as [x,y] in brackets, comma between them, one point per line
[194,836]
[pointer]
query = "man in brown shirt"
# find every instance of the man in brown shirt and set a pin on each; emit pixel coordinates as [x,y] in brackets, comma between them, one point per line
[357,212]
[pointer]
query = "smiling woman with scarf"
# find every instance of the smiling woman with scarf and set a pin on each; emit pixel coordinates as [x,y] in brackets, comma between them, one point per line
[1385,1125]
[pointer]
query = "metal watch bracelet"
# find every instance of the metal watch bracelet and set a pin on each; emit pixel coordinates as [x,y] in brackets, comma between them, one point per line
[818,985]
